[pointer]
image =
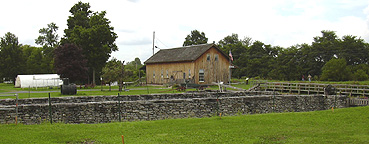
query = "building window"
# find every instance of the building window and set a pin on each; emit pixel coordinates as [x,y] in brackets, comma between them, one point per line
[208,57]
[216,57]
[153,74]
[162,75]
[167,74]
[201,75]
[189,73]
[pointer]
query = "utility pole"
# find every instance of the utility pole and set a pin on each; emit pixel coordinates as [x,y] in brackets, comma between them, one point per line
[153,43]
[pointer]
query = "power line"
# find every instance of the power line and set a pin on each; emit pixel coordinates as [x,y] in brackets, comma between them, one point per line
[157,39]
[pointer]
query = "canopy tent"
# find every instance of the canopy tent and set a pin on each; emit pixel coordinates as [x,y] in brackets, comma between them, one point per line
[38,80]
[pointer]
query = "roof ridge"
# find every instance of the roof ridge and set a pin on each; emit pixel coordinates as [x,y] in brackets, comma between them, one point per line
[188,46]
[185,53]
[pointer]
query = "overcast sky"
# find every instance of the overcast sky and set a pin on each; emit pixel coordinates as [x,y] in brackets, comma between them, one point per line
[276,22]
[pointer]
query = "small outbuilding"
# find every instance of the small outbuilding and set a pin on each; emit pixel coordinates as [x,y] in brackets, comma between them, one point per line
[200,64]
[38,80]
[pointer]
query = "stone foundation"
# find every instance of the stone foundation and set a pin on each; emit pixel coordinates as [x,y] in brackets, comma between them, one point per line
[104,109]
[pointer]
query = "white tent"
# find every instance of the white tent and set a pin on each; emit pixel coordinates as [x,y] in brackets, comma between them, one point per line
[38,80]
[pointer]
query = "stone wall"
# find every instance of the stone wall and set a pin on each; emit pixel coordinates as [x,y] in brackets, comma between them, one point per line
[103,109]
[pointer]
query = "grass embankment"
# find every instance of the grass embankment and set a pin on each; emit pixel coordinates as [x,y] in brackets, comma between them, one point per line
[349,125]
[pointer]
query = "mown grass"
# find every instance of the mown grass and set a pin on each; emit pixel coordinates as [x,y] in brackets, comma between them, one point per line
[9,89]
[349,125]
[327,82]
[55,92]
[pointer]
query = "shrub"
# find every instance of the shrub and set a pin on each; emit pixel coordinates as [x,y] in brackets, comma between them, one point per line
[335,70]
[360,75]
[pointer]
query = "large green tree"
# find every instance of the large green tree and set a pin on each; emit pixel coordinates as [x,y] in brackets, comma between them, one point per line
[195,38]
[92,32]
[80,17]
[11,60]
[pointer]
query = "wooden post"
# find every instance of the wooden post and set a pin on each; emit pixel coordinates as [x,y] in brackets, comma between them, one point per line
[318,89]
[299,88]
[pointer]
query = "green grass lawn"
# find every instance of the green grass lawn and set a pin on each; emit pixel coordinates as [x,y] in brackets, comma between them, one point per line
[349,125]
[327,82]
[8,89]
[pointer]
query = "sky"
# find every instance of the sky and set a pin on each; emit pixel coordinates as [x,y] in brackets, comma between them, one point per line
[276,22]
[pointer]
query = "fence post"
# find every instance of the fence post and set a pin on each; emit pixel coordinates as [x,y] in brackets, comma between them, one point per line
[299,88]
[335,101]
[119,111]
[50,110]
[16,109]
[217,104]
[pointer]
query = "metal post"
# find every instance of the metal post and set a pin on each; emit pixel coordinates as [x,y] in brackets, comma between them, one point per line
[101,84]
[50,110]
[217,104]
[273,102]
[119,111]
[147,88]
[16,109]
[334,105]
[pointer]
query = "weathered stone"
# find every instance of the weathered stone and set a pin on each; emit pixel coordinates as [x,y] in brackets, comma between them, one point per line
[102,109]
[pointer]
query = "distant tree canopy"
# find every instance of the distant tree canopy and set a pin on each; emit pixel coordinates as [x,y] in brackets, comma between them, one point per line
[11,60]
[113,71]
[195,38]
[18,59]
[133,68]
[323,59]
[49,39]
[89,41]
[48,36]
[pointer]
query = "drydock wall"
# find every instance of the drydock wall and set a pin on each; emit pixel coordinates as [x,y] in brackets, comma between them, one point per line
[103,109]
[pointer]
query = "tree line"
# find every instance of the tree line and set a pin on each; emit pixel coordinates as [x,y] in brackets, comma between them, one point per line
[327,58]
[82,54]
